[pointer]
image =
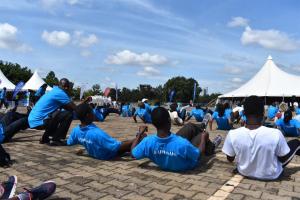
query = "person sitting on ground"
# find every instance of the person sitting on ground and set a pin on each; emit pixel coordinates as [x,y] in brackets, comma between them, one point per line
[147,105]
[39,93]
[3,98]
[223,122]
[126,110]
[47,114]
[176,120]
[272,111]
[43,191]
[288,126]
[142,113]
[197,113]
[101,112]
[260,152]
[237,112]
[174,152]
[228,110]
[10,124]
[98,143]
[181,110]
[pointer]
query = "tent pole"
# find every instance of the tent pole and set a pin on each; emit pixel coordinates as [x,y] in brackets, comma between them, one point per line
[265,100]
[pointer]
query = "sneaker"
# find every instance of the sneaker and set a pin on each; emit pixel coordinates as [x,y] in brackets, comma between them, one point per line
[9,187]
[217,141]
[41,192]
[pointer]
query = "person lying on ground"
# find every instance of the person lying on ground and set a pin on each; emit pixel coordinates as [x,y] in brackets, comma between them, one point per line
[53,113]
[101,112]
[176,120]
[43,191]
[142,113]
[289,127]
[223,121]
[197,113]
[10,124]
[260,152]
[174,152]
[98,143]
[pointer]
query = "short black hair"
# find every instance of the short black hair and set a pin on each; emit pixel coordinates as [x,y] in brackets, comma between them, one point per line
[82,110]
[160,117]
[253,105]
[173,107]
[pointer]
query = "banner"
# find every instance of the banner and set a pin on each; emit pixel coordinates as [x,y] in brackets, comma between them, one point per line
[172,95]
[194,93]
[18,88]
[106,91]
[82,90]
[117,92]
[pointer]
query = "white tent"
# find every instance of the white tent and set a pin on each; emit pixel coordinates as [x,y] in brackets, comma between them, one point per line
[270,81]
[35,82]
[4,82]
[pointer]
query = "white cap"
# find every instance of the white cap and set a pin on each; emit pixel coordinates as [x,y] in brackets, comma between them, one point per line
[144,99]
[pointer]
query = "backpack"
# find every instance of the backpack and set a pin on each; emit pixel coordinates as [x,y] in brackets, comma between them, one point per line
[5,160]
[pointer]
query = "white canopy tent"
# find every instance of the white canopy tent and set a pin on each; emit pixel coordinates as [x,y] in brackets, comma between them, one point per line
[270,81]
[35,82]
[4,82]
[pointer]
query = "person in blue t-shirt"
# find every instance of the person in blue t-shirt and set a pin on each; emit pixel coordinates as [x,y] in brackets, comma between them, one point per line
[97,142]
[289,127]
[101,112]
[3,98]
[126,110]
[228,111]
[39,93]
[272,111]
[47,114]
[174,152]
[10,124]
[197,113]
[147,105]
[223,121]
[142,113]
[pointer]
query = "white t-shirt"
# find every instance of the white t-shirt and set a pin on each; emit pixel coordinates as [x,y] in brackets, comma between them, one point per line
[174,115]
[257,151]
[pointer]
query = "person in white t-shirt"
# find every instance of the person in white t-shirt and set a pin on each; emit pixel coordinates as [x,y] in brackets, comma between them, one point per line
[176,120]
[260,152]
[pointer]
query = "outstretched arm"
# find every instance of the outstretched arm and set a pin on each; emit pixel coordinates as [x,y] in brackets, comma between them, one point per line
[140,135]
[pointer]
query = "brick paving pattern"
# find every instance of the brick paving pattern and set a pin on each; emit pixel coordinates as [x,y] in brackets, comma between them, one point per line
[82,177]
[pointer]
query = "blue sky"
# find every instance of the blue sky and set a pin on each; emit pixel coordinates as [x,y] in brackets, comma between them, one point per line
[130,42]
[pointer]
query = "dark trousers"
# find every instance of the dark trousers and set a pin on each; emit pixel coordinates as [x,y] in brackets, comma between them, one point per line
[2,102]
[107,111]
[13,122]
[294,150]
[182,114]
[192,132]
[57,125]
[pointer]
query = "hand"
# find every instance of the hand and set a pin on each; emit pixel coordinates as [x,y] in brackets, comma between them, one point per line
[80,152]
[143,129]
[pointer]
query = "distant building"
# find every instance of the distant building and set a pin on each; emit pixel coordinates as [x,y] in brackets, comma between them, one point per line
[145,87]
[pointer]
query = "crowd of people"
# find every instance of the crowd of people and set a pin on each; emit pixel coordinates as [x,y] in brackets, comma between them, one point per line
[258,145]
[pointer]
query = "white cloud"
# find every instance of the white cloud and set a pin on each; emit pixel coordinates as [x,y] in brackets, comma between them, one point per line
[49,4]
[236,80]
[232,70]
[8,38]
[56,38]
[238,22]
[85,41]
[85,53]
[127,57]
[238,58]
[270,39]
[148,71]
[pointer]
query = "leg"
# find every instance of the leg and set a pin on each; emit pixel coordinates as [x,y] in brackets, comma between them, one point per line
[190,130]
[294,150]
[183,114]
[64,120]
[15,127]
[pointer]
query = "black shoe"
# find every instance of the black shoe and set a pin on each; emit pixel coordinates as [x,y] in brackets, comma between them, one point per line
[58,143]
[44,140]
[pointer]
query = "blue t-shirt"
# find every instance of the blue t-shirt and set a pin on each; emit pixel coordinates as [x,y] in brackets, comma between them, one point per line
[198,114]
[47,104]
[228,112]
[126,111]
[153,107]
[2,135]
[2,94]
[272,112]
[297,110]
[148,107]
[143,113]
[98,114]
[290,128]
[98,144]
[222,122]
[40,92]
[173,153]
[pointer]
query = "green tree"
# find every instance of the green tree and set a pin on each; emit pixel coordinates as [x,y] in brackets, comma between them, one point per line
[183,86]
[51,79]
[14,72]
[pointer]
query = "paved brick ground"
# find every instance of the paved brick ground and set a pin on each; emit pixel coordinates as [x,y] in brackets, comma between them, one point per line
[81,177]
